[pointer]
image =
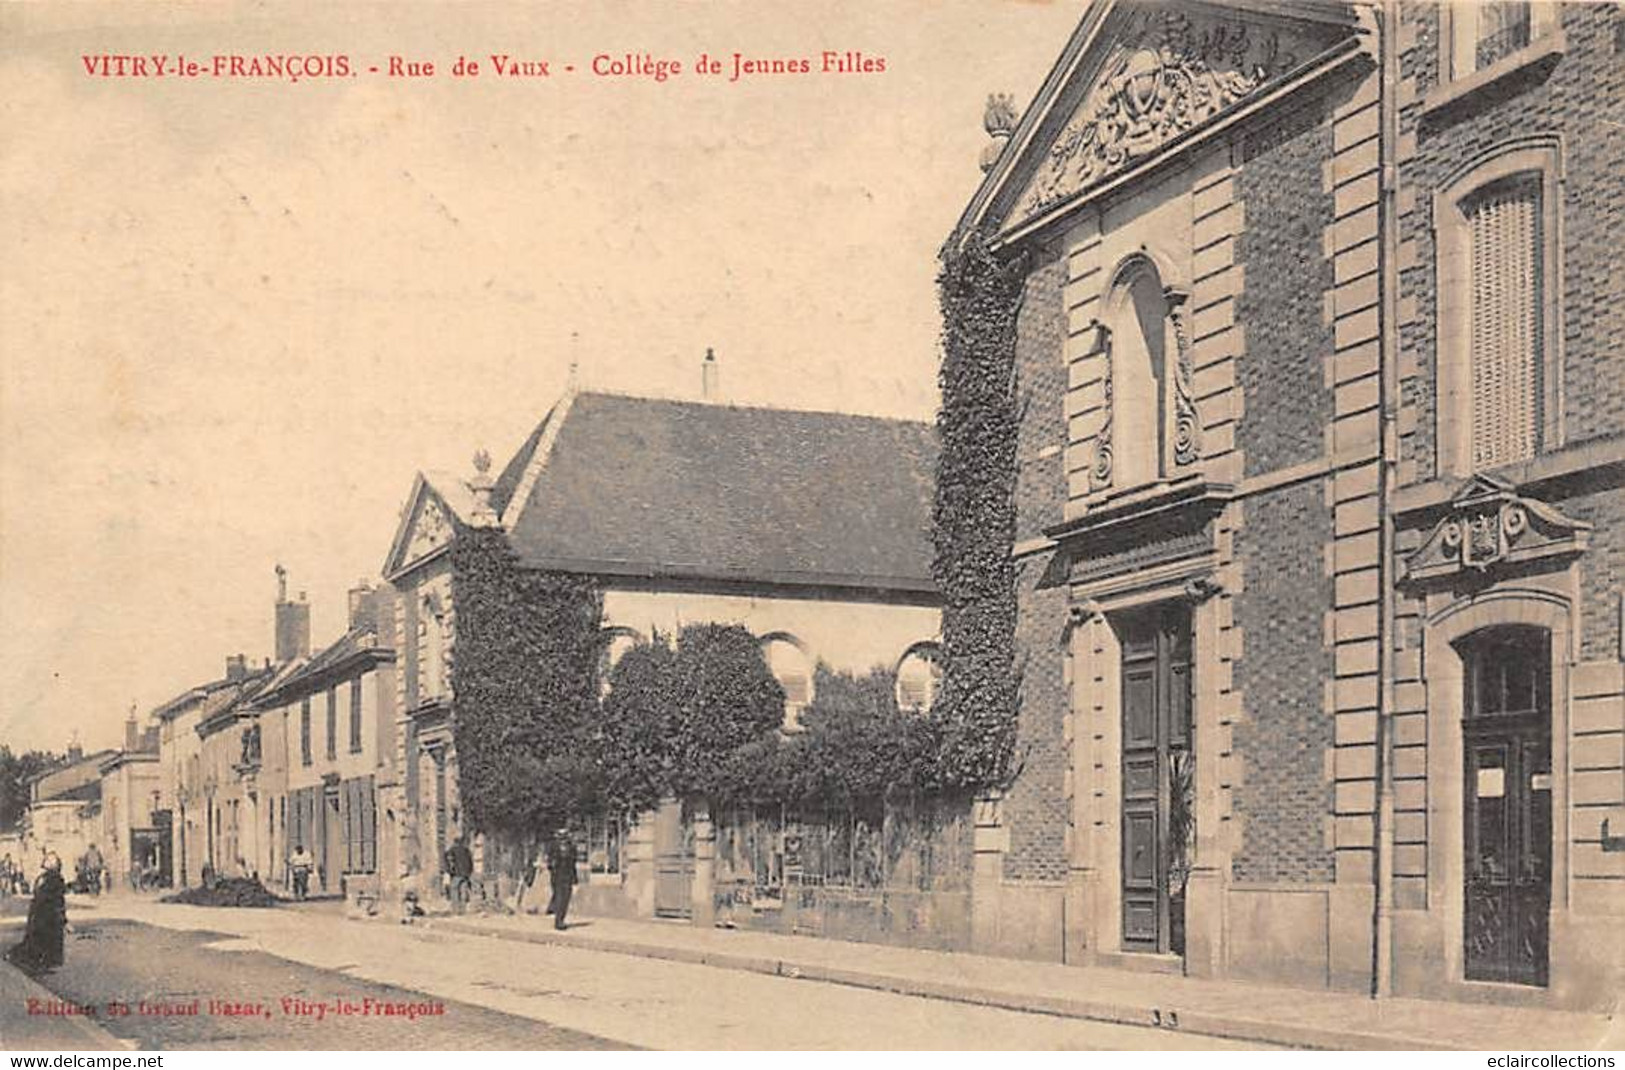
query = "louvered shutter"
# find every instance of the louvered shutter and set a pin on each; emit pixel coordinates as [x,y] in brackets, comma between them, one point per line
[369,824]
[1506,322]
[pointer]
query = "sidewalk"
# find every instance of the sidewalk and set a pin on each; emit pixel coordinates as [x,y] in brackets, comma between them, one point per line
[21,1031]
[1289,1016]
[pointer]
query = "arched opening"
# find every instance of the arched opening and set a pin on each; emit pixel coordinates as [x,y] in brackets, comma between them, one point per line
[919,677]
[1506,803]
[615,642]
[1138,318]
[792,667]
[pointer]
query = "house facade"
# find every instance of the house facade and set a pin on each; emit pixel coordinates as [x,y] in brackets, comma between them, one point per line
[1319,597]
[808,529]
[132,839]
[1508,508]
[326,739]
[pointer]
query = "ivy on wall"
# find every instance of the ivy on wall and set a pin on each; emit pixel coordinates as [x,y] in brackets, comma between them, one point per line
[524,677]
[974,516]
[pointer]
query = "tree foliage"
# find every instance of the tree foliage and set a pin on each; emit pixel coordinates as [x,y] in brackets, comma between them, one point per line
[857,745]
[524,677]
[974,516]
[695,719]
[16,770]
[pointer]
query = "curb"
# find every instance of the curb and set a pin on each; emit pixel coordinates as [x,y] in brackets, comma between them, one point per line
[1172,1018]
[86,1034]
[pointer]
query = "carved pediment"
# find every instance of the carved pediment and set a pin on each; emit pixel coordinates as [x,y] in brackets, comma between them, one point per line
[428,527]
[1165,73]
[1489,526]
[431,529]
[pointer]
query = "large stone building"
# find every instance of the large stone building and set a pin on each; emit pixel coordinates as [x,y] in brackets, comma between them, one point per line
[1320,520]
[807,528]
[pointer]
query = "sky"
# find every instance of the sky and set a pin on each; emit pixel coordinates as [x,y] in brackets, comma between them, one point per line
[238,316]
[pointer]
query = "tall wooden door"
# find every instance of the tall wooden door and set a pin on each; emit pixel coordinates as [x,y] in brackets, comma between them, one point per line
[1507,805]
[1156,767]
[674,861]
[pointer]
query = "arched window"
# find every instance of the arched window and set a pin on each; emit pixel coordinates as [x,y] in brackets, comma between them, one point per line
[1498,368]
[919,677]
[1150,430]
[791,666]
[1139,316]
[616,642]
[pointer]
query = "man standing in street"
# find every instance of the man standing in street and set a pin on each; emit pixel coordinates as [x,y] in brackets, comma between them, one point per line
[561,868]
[459,865]
[300,863]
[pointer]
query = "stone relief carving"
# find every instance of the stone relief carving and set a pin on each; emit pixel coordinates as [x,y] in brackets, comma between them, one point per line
[1187,427]
[1489,525]
[1100,473]
[431,531]
[1167,74]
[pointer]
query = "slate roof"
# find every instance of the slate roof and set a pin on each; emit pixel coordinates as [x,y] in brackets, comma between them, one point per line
[646,487]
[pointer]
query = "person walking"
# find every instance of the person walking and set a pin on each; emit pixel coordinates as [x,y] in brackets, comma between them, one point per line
[41,945]
[561,869]
[459,866]
[300,863]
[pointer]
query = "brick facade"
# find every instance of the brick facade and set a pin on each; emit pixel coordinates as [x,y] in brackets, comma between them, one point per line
[1036,805]
[1284,796]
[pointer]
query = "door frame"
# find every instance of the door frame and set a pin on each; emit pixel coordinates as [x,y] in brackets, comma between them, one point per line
[1449,620]
[1094,666]
[1157,619]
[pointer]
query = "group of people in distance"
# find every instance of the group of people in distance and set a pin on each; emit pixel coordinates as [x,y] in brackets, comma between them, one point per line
[560,856]
[41,947]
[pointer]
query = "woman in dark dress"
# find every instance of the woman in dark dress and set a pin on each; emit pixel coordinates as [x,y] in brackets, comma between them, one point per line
[41,947]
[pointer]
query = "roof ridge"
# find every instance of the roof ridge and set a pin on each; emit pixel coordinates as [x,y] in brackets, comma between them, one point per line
[701,403]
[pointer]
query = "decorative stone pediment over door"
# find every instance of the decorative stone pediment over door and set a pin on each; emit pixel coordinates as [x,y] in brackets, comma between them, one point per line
[1488,526]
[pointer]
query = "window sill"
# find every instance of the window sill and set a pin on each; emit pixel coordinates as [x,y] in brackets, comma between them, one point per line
[1542,53]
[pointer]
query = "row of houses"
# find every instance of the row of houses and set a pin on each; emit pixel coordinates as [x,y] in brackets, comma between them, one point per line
[1320,530]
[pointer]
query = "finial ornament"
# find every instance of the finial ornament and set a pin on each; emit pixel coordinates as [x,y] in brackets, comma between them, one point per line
[484,514]
[999,120]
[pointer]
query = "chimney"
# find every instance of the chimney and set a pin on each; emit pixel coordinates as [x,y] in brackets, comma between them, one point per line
[236,668]
[75,751]
[292,622]
[132,732]
[363,607]
[708,376]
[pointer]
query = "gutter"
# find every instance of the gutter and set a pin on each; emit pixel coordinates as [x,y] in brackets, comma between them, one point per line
[1387,15]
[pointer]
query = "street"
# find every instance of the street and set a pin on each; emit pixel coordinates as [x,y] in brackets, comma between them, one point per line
[181,992]
[497,993]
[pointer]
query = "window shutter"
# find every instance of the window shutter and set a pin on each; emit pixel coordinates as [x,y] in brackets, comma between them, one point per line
[355,715]
[369,825]
[1506,322]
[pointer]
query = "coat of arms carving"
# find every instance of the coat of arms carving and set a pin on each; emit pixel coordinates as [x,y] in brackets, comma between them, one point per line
[431,531]
[1489,525]
[1167,74]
